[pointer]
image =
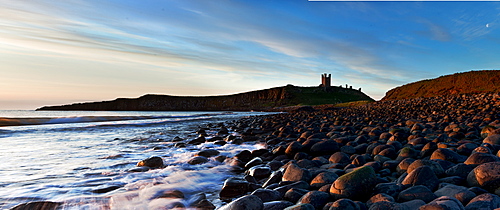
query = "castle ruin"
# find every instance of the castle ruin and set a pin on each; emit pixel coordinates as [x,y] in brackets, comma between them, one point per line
[326,80]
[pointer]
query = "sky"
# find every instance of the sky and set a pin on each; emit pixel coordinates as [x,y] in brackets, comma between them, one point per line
[55,52]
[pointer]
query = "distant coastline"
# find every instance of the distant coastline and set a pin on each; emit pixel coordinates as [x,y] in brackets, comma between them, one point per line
[260,100]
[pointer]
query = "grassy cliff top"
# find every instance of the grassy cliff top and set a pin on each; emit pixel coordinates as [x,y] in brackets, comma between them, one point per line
[459,83]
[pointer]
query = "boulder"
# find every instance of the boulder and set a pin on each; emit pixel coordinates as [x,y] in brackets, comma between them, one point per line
[234,187]
[267,195]
[443,202]
[323,178]
[484,201]
[302,206]
[356,185]
[479,158]
[344,204]
[327,147]
[486,176]
[416,192]
[247,202]
[42,205]
[316,198]
[436,168]
[422,175]
[197,160]
[208,153]
[461,193]
[277,205]
[295,173]
[294,194]
[152,162]
[448,155]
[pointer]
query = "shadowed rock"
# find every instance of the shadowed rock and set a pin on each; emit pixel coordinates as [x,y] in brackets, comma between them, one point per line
[356,185]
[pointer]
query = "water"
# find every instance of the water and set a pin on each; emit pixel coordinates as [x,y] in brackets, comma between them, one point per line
[64,156]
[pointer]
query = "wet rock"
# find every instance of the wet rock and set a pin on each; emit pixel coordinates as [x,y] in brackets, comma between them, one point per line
[356,185]
[327,147]
[247,202]
[197,160]
[384,205]
[152,162]
[340,158]
[293,148]
[416,192]
[461,193]
[461,170]
[323,178]
[208,153]
[139,169]
[275,177]
[294,194]
[422,175]
[316,198]
[413,204]
[277,205]
[106,189]
[344,204]
[492,139]
[297,185]
[380,197]
[39,205]
[480,158]
[443,202]
[294,173]
[448,155]
[267,195]
[244,156]
[259,172]
[486,176]
[234,187]
[435,167]
[484,201]
[391,189]
[302,206]
[275,165]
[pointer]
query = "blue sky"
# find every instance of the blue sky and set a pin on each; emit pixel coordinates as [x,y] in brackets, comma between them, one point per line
[57,52]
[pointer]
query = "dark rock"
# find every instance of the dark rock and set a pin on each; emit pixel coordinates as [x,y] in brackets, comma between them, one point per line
[277,205]
[391,189]
[404,164]
[444,203]
[340,158]
[208,153]
[197,160]
[484,201]
[316,198]
[456,180]
[480,158]
[416,192]
[275,165]
[461,193]
[267,195]
[297,185]
[486,176]
[413,204]
[204,204]
[234,187]
[247,202]
[356,185]
[460,169]
[478,190]
[169,194]
[327,147]
[293,148]
[294,194]
[302,206]
[244,156]
[259,172]
[275,177]
[295,173]
[448,155]
[379,198]
[382,205]
[37,205]
[106,189]
[323,178]
[436,168]
[344,204]
[139,169]
[152,162]
[422,175]
[492,139]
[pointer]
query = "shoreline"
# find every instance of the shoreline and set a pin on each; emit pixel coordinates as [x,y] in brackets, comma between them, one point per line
[409,154]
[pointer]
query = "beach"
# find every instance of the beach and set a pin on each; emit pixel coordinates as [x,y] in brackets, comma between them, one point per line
[424,153]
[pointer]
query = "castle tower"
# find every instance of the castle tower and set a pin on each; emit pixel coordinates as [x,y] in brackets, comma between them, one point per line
[326,80]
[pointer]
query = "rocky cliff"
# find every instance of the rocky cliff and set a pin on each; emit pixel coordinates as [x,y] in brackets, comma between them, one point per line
[459,83]
[255,100]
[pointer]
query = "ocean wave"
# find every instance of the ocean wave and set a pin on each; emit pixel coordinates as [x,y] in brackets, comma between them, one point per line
[6,121]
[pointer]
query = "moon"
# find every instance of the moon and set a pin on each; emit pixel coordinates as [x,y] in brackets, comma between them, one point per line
[487,25]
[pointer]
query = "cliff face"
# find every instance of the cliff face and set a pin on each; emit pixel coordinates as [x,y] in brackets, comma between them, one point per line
[255,100]
[459,83]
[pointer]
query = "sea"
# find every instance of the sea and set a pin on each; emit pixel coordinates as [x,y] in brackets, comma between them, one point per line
[69,156]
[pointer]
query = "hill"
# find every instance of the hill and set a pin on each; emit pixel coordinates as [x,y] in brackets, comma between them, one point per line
[256,100]
[460,83]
